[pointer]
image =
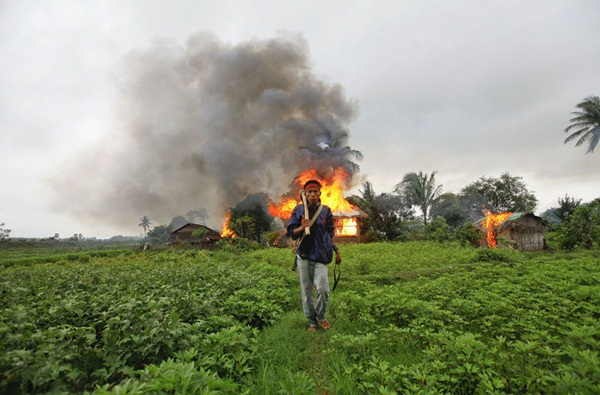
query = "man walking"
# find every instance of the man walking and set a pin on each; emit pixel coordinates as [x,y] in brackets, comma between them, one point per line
[313,253]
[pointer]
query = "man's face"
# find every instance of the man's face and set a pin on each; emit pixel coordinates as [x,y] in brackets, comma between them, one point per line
[312,195]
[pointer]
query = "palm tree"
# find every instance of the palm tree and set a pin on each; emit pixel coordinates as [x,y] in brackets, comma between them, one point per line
[587,123]
[420,190]
[368,193]
[330,147]
[145,224]
[201,213]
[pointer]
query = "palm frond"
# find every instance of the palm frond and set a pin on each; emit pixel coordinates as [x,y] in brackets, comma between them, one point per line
[586,124]
[594,139]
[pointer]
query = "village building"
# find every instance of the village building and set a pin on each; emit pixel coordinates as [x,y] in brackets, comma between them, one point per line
[523,231]
[204,237]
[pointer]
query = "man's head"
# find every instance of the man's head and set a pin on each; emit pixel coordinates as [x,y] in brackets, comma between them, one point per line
[312,188]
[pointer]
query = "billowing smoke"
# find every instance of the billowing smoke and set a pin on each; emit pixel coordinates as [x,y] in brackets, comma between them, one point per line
[203,126]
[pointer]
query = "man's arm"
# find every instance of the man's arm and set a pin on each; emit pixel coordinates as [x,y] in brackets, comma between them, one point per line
[296,226]
[338,257]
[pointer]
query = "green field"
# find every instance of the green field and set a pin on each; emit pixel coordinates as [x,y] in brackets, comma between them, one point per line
[407,318]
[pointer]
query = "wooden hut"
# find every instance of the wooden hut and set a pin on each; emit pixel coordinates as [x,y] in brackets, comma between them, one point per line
[184,237]
[347,225]
[523,231]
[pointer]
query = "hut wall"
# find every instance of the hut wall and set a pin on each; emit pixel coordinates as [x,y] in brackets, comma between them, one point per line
[527,234]
[346,239]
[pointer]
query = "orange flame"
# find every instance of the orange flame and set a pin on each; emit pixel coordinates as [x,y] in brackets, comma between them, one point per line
[331,193]
[284,208]
[491,223]
[227,232]
[346,227]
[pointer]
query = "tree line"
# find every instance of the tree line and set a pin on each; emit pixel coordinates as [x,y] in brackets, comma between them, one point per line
[418,207]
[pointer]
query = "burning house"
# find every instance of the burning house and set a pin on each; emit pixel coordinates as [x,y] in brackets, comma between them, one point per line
[522,231]
[346,217]
[194,235]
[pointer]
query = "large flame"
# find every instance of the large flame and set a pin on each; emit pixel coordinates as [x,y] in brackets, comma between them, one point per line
[227,232]
[331,195]
[491,223]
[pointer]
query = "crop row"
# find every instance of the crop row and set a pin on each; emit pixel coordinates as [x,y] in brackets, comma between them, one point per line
[531,327]
[73,326]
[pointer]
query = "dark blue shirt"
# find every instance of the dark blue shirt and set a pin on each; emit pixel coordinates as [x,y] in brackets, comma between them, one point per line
[317,246]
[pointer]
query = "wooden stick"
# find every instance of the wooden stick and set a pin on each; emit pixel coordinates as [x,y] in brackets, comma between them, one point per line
[306,230]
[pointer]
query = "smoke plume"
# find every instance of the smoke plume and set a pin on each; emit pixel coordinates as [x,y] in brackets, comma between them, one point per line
[203,125]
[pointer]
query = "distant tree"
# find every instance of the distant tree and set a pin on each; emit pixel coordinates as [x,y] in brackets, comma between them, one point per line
[438,230]
[386,212]
[250,218]
[4,233]
[566,207]
[504,194]
[159,234]
[582,228]
[586,124]
[200,232]
[420,190]
[330,147]
[449,206]
[368,193]
[550,216]
[145,223]
[244,225]
[202,214]
[177,222]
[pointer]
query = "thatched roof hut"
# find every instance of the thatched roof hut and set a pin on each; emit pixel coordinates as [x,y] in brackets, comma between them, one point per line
[348,231]
[205,237]
[523,231]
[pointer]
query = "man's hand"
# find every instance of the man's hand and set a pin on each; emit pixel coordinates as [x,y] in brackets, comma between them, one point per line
[338,257]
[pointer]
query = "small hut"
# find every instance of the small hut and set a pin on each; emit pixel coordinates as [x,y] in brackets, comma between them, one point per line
[523,231]
[204,237]
[347,225]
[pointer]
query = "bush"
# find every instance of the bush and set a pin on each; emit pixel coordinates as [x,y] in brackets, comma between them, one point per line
[270,237]
[468,234]
[238,244]
[491,255]
[438,230]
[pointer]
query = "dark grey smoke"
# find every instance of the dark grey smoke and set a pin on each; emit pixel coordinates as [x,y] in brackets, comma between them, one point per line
[204,125]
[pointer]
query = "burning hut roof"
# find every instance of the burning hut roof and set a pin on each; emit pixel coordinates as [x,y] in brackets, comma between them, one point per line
[354,212]
[523,230]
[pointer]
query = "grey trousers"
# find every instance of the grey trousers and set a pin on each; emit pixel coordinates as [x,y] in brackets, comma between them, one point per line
[313,275]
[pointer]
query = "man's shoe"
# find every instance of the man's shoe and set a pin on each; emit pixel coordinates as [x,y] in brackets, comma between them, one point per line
[311,329]
[325,324]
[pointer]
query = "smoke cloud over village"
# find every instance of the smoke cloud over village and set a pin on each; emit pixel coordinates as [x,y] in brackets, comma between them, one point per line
[204,125]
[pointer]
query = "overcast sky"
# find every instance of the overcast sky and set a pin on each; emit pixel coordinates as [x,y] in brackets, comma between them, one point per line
[464,88]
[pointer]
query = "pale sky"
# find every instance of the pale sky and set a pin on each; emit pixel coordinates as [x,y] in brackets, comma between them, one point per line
[464,88]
